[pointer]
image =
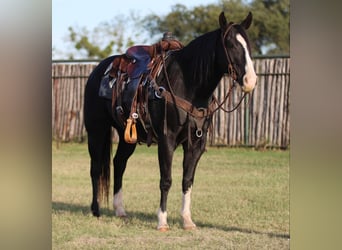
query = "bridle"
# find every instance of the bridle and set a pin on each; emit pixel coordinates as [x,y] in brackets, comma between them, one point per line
[231,73]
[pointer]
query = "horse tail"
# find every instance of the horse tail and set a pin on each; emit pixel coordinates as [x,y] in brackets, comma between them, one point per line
[104,184]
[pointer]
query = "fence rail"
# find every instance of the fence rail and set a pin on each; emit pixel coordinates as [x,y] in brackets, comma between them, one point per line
[262,120]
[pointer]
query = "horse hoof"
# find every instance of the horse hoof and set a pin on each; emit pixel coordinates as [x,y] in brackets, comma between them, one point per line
[125,219]
[96,213]
[163,228]
[189,228]
[120,212]
[121,215]
[95,209]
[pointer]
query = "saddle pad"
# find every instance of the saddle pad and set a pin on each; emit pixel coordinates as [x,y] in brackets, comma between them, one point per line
[106,85]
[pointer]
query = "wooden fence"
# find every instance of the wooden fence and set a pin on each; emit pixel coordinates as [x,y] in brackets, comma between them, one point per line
[262,120]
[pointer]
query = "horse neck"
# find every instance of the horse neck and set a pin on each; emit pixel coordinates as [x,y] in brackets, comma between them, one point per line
[200,68]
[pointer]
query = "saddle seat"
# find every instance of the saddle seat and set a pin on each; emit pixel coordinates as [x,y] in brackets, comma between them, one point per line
[138,59]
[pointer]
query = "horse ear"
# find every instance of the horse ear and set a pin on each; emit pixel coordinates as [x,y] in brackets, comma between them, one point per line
[248,20]
[222,21]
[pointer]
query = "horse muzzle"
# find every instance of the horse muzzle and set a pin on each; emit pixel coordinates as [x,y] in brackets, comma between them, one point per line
[249,83]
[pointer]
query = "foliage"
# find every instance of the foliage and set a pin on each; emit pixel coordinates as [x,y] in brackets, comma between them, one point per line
[81,40]
[269,33]
[240,200]
[271,25]
[105,39]
[184,24]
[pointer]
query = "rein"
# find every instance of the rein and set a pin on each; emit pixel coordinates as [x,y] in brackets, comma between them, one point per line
[219,106]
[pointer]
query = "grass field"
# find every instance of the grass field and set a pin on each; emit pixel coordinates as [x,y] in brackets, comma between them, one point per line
[240,200]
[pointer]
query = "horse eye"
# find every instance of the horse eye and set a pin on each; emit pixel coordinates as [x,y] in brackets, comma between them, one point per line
[230,44]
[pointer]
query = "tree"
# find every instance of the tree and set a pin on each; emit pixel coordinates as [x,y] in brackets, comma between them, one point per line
[269,33]
[183,23]
[105,39]
[271,26]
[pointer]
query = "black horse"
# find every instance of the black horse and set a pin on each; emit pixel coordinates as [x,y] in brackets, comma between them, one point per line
[191,74]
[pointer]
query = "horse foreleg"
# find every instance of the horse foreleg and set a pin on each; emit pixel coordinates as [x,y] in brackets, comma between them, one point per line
[188,224]
[123,152]
[191,158]
[165,155]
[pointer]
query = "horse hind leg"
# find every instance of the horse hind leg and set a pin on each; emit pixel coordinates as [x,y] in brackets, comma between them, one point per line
[95,176]
[99,147]
[123,152]
[118,204]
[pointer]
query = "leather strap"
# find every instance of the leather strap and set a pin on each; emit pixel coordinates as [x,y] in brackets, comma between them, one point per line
[187,106]
[182,103]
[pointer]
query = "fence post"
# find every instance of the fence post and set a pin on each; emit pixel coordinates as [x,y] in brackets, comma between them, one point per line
[246,125]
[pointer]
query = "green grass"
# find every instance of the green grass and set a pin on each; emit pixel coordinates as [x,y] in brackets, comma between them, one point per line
[240,200]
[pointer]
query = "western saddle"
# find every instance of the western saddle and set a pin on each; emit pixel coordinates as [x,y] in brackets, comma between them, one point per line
[124,82]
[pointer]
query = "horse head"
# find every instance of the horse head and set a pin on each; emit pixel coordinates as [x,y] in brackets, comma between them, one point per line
[237,52]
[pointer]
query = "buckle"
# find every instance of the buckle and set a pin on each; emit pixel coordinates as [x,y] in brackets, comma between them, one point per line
[203,110]
[199,133]
[159,92]
[119,110]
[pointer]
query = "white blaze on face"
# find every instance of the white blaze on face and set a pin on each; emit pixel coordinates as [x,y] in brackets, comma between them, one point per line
[249,79]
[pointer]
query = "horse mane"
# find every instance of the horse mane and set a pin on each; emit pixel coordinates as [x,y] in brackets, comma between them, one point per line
[197,59]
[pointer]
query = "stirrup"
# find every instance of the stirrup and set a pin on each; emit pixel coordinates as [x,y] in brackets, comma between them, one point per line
[130,132]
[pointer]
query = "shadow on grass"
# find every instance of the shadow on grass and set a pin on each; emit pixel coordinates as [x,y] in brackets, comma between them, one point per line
[152,218]
[75,208]
[242,230]
[105,211]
